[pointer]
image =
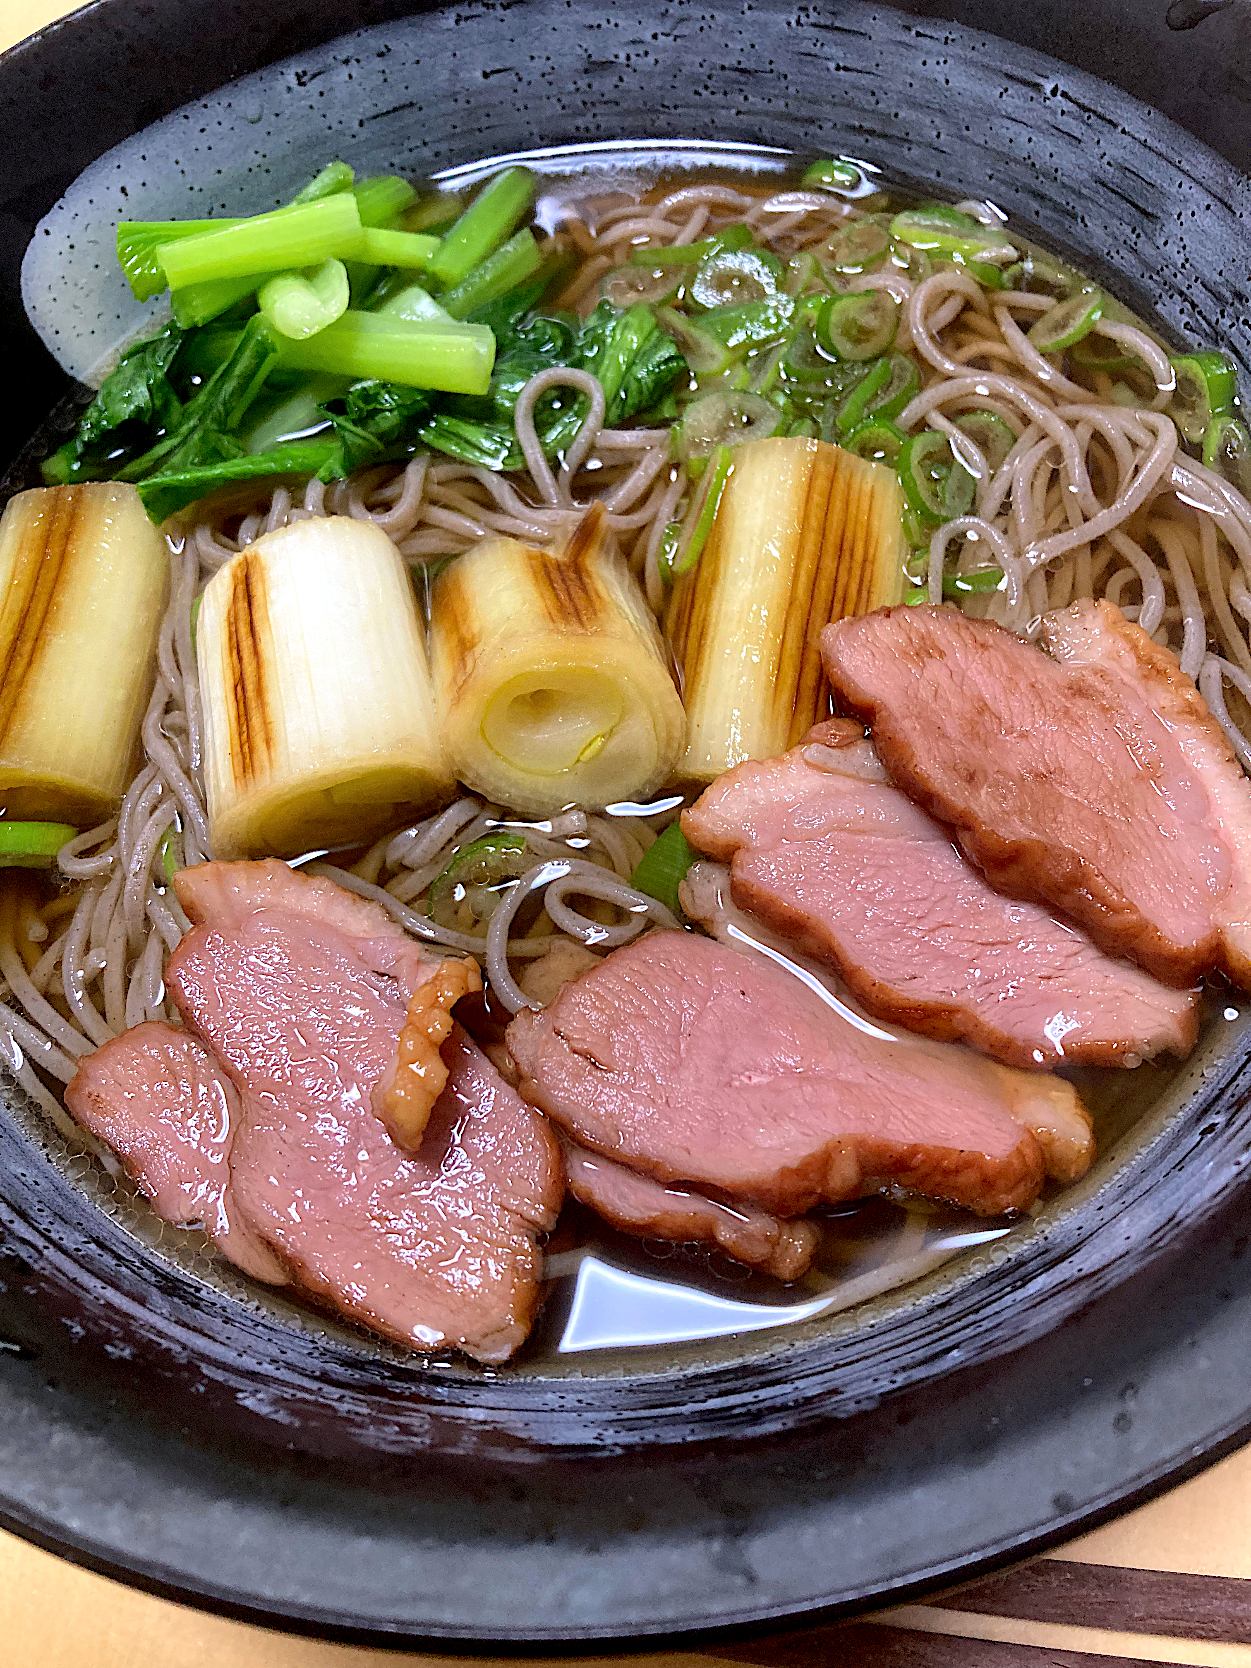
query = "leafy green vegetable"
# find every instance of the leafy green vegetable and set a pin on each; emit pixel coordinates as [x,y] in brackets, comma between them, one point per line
[135,398]
[172,490]
[373,422]
[203,431]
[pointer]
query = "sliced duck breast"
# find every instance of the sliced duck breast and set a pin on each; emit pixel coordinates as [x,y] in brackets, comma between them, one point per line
[161,1101]
[826,850]
[1094,779]
[638,1204]
[260,1120]
[252,899]
[714,1068]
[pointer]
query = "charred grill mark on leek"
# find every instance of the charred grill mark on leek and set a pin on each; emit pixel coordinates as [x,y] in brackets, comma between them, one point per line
[566,584]
[44,560]
[811,601]
[248,641]
[805,533]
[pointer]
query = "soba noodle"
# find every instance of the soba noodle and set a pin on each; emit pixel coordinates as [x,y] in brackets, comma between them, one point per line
[1095,498]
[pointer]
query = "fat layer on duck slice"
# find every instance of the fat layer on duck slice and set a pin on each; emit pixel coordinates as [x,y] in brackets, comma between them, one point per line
[1093,779]
[825,850]
[638,1204]
[706,1066]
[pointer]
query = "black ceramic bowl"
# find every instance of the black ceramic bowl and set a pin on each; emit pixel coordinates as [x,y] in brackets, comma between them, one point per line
[164,1428]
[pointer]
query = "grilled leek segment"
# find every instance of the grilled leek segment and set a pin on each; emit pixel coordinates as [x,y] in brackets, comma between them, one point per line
[319,719]
[551,676]
[83,578]
[805,533]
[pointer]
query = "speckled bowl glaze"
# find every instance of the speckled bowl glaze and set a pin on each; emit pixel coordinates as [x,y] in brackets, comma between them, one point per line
[171,1430]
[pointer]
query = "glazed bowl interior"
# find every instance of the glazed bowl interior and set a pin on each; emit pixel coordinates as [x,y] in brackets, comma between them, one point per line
[242,1396]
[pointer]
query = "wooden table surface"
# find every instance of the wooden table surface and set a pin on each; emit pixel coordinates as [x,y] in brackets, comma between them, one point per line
[1170,1582]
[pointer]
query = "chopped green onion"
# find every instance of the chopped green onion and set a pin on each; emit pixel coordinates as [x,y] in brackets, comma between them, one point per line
[1205,391]
[455,358]
[729,419]
[859,247]
[751,324]
[510,265]
[878,440]
[301,304]
[878,398]
[1227,448]
[699,519]
[1065,324]
[1102,353]
[972,584]
[935,486]
[383,247]
[946,231]
[292,237]
[1039,275]
[702,352]
[730,276]
[662,868]
[993,437]
[487,223]
[170,849]
[913,595]
[859,326]
[32,845]
[691,254]
[491,863]
[833,174]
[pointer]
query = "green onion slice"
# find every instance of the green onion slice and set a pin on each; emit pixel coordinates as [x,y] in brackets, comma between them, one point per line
[32,845]
[1038,275]
[170,850]
[491,863]
[941,230]
[731,276]
[883,392]
[702,352]
[750,323]
[662,867]
[1068,322]
[1205,391]
[833,174]
[972,584]
[1227,449]
[859,326]
[729,419]
[859,247]
[935,486]
[913,595]
[699,519]
[993,437]
[878,440]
